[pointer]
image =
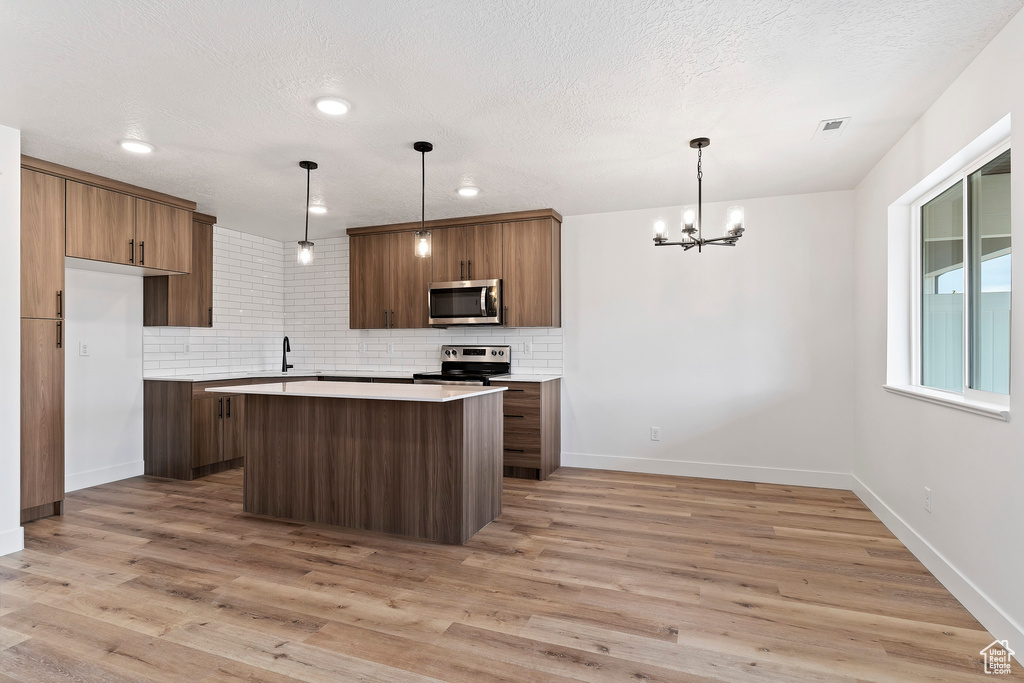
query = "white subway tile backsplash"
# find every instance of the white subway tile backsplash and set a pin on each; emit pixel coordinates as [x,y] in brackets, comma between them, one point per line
[260,294]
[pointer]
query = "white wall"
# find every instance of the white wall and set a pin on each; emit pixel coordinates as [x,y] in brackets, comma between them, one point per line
[103,391]
[972,540]
[11,536]
[742,356]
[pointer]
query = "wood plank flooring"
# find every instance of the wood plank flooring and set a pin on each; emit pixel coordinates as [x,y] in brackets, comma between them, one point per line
[590,575]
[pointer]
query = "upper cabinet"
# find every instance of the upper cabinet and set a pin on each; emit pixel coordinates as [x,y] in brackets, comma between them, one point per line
[110,221]
[470,252]
[388,284]
[531,273]
[100,224]
[184,300]
[42,245]
[164,236]
[392,282]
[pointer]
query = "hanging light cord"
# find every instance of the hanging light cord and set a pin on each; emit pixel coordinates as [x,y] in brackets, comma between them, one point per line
[423,190]
[700,176]
[308,170]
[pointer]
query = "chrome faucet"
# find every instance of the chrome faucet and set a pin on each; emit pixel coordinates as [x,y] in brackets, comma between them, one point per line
[284,356]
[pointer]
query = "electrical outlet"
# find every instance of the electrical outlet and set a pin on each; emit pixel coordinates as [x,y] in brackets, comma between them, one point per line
[391,348]
[927,499]
[188,348]
[655,433]
[362,348]
[527,349]
[83,348]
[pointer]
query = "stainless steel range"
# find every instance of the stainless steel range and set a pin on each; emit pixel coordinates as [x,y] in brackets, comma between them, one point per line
[469,365]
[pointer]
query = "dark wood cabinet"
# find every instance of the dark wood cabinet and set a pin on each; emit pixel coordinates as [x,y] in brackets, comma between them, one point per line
[184,300]
[409,276]
[100,224]
[387,287]
[369,293]
[531,273]
[189,432]
[532,428]
[42,245]
[42,418]
[163,236]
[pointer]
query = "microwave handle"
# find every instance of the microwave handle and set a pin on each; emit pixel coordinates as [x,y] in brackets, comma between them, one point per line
[483,301]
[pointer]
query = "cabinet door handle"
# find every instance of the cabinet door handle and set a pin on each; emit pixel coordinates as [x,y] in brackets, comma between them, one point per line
[221,401]
[60,304]
[142,253]
[462,274]
[131,253]
[392,320]
[229,406]
[60,335]
[516,389]
[211,316]
[522,417]
[514,450]
[470,269]
[504,321]
[385,320]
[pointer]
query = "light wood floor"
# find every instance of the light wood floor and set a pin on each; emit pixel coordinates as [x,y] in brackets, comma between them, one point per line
[588,576]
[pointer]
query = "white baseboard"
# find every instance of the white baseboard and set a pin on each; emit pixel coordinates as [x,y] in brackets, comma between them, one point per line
[12,540]
[104,475]
[981,607]
[708,470]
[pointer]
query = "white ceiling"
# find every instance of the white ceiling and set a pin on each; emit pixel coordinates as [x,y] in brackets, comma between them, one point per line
[581,106]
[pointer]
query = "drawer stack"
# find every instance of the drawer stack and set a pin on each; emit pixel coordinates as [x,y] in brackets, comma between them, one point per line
[532,428]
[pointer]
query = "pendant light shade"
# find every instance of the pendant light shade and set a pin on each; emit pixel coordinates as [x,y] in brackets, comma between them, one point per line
[305,253]
[423,235]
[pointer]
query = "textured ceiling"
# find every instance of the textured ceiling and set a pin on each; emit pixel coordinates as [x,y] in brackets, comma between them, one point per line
[581,106]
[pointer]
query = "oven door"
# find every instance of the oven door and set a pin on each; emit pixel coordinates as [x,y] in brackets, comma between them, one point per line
[466,302]
[460,382]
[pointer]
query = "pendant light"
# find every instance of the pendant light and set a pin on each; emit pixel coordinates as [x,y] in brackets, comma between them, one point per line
[305,246]
[692,223]
[423,235]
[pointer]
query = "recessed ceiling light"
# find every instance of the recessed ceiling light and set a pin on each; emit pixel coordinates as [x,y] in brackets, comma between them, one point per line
[317,208]
[136,146]
[333,106]
[469,191]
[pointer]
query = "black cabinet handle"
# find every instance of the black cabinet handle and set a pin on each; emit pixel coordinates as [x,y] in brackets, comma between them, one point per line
[510,389]
[392,320]
[60,335]
[504,322]
[131,247]
[470,270]
[523,417]
[142,253]
[514,450]
[211,316]
[385,320]
[60,304]
[221,401]
[229,406]
[462,274]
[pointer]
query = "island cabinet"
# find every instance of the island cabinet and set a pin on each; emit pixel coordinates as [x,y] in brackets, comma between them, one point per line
[190,432]
[184,300]
[471,252]
[532,428]
[388,284]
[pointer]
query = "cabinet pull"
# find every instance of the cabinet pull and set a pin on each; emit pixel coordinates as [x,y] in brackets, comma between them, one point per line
[221,402]
[470,269]
[142,253]
[229,406]
[60,335]
[60,304]
[504,321]
[522,417]
[385,320]
[392,320]
[131,253]
[462,275]
[514,450]
[516,389]
[211,316]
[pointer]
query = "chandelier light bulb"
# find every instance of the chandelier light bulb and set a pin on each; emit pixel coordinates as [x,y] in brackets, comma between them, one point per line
[423,247]
[305,253]
[736,216]
[659,228]
[689,217]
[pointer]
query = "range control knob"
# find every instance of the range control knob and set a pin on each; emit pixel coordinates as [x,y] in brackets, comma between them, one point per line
[447,352]
[501,353]
[455,352]
[494,353]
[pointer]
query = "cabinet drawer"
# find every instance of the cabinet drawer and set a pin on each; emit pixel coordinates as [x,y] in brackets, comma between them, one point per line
[521,438]
[518,391]
[521,458]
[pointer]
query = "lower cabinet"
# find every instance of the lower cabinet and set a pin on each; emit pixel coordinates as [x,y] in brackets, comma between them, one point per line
[42,418]
[190,432]
[532,412]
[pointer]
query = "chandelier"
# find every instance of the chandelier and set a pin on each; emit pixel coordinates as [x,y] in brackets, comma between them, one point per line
[692,221]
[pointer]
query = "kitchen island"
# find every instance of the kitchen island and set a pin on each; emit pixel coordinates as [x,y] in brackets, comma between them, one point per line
[415,460]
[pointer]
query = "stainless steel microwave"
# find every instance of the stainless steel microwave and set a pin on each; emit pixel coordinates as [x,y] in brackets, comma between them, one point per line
[465,302]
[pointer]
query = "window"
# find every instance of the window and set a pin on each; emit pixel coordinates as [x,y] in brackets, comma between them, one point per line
[962,323]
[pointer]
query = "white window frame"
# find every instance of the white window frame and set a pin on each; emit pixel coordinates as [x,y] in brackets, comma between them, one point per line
[966,394]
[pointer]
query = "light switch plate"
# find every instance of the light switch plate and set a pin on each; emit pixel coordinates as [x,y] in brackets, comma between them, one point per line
[83,348]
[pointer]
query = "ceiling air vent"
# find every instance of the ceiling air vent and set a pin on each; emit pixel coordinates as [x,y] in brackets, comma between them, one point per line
[831,128]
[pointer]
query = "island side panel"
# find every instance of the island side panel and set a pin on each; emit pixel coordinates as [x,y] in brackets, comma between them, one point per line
[482,460]
[388,466]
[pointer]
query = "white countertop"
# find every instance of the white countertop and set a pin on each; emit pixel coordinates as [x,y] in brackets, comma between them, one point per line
[377,374]
[432,393]
[524,378]
[220,376]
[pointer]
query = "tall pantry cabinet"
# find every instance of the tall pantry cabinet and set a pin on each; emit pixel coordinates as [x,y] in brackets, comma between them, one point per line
[42,344]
